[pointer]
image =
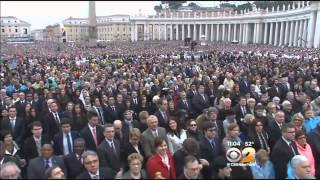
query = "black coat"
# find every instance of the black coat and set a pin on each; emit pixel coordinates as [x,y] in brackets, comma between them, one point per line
[313,140]
[104,173]
[127,149]
[275,132]
[73,165]
[58,142]
[107,156]
[281,154]
[30,147]
[88,137]
[19,129]
[199,104]
[51,126]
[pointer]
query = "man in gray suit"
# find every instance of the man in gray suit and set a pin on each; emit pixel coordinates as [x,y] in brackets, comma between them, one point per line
[150,134]
[38,166]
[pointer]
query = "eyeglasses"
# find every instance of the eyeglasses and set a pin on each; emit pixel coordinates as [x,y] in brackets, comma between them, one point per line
[302,137]
[193,125]
[211,130]
[259,125]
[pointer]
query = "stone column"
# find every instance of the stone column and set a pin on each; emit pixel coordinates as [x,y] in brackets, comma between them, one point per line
[183,35]
[145,31]
[211,32]
[189,33]
[223,31]
[229,32]
[300,33]
[270,32]
[240,33]
[265,33]
[316,40]
[246,33]
[194,31]
[281,32]
[286,33]
[276,35]
[153,32]
[159,31]
[171,32]
[177,32]
[304,36]
[254,33]
[200,30]
[165,32]
[136,32]
[291,33]
[234,32]
[295,38]
[217,34]
[311,29]
[206,32]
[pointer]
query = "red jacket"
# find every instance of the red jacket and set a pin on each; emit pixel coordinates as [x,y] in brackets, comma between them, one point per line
[155,164]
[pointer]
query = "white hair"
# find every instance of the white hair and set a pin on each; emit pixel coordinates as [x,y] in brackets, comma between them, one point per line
[297,159]
[286,102]
[4,166]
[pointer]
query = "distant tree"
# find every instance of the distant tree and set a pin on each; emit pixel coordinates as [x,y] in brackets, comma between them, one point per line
[247,5]
[173,4]
[228,5]
[193,5]
[158,8]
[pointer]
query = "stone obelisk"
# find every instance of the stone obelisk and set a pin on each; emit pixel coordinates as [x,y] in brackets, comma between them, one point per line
[92,24]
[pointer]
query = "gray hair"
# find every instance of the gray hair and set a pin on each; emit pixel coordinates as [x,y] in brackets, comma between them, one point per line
[297,115]
[4,167]
[88,153]
[297,159]
[286,102]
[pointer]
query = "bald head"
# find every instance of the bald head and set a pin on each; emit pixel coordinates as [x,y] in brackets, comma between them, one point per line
[117,123]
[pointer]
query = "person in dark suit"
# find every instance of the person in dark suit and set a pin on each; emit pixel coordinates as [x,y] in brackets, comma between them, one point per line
[132,146]
[149,135]
[244,86]
[200,101]
[52,121]
[192,91]
[128,124]
[162,113]
[74,161]
[184,103]
[210,147]
[38,165]
[112,111]
[63,141]
[93,169]
[258,136]
[191,168]
[274,128]
[284,150]
[109,150]
[14,124]
[21,104]
[32,145]
[274,91]
[92,133]
[313,140]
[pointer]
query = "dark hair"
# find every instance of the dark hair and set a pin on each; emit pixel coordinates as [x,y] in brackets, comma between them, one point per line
[107,125]
[189,159]
[176,132]
[4,133]
[158,141]
[65,121]
[299,133]
[286,126]
[219,163]
[92,113]
[48,172]
[35,124]
[207,125]
[252,127]
[190,146]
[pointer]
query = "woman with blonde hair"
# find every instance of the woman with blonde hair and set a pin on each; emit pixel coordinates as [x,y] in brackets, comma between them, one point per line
[135,171]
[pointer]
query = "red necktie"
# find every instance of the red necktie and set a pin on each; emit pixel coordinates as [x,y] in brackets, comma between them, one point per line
[95,136]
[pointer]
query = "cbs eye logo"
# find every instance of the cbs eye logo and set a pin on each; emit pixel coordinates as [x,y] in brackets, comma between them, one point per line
[235,155]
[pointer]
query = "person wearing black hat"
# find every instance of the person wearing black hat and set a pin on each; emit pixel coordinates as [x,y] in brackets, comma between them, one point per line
[221,170]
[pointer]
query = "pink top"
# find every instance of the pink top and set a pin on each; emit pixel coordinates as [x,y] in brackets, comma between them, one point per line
[307,152]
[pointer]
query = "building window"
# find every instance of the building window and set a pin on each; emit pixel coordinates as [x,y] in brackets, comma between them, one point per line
[3,30]
[16,30]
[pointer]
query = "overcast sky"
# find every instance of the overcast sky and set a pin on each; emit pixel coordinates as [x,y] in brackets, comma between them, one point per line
[42,13]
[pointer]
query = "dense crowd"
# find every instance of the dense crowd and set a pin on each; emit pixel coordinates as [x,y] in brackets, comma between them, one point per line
[138,110]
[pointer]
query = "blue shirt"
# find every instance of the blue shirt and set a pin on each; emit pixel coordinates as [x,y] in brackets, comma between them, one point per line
[263,172]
